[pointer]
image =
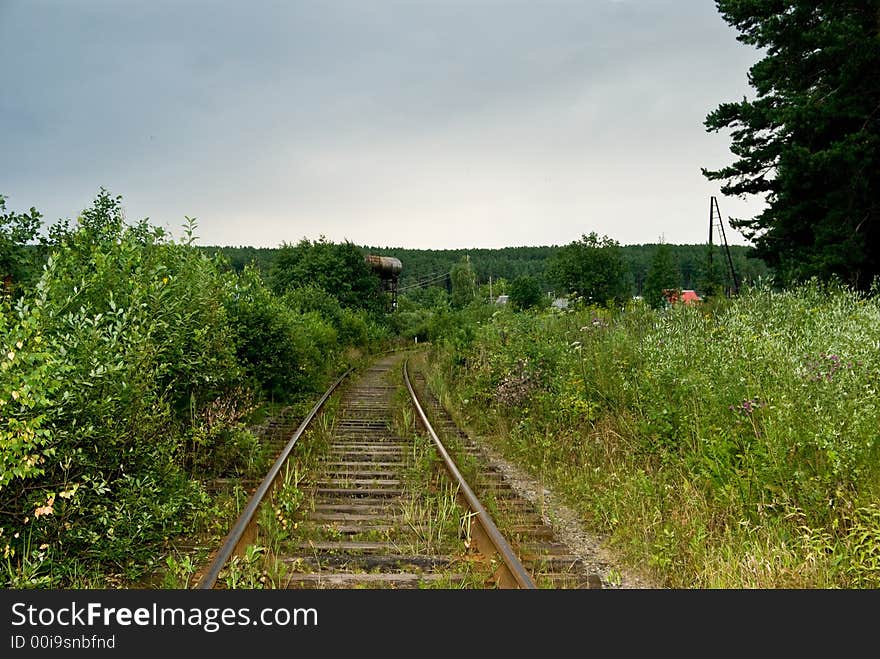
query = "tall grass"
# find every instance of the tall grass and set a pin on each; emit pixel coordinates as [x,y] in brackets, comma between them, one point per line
[733,445]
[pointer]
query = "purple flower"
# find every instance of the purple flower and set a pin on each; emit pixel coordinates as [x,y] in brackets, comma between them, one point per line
[748,406]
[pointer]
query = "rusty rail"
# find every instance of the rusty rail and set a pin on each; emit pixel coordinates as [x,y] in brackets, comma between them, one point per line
[489,540]
[244,530]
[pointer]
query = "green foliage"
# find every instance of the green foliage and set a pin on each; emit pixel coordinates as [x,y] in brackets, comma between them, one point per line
[810,141]
[127,369]
[339,268]
[101,223]
[236,258]
[692,262]
[525,293]
[712,281]
[706,437]
[663,275]
[412,321]
[354,327]
[425,273]
[28,385]
[286,349]
[463,284]
[17,230]
[591,268]
[429,297]
[425,265]
[124,345]
[311,297]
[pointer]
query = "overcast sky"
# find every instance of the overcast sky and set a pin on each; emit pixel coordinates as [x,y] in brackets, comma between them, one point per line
[422,124]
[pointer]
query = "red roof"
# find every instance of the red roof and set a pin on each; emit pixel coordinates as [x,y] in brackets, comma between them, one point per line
[687,296]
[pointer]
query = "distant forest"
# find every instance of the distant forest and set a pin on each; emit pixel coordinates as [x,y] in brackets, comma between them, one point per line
[424,267]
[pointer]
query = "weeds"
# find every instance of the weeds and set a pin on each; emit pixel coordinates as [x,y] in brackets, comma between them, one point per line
[691,435]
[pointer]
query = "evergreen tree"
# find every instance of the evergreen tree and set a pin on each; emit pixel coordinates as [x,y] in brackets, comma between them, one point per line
[663,274]
[810,141]
[712,281]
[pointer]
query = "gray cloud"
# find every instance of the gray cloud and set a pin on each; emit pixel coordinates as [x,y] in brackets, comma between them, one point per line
[418,124]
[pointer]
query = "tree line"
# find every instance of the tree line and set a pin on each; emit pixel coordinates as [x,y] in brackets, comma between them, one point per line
[553,268]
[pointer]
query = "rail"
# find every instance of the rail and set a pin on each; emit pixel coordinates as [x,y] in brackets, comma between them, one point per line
[488,538]
[244,530]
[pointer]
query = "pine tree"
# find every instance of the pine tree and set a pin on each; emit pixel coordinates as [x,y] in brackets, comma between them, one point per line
[663,274]
[810,141]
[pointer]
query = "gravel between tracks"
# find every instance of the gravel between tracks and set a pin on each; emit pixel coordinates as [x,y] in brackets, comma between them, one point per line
[566,523]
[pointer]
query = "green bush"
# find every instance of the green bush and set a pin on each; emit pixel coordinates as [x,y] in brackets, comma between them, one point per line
[121,350]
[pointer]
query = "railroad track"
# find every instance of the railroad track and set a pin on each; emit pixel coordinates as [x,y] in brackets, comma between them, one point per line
[548,559]
[366,495]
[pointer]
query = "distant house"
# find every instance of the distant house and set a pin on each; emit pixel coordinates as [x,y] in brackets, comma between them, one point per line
[560,303]
[690,297]
[687,296]
[502,299]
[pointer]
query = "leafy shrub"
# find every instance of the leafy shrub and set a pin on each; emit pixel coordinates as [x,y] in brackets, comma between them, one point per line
[124,344]
[285,350]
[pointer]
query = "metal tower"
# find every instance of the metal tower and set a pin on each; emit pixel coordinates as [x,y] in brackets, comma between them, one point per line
[715,219]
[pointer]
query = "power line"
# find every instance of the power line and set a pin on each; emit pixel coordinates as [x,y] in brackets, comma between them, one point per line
[425,281]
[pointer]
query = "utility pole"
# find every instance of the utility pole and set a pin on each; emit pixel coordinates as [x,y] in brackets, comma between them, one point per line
[714,212]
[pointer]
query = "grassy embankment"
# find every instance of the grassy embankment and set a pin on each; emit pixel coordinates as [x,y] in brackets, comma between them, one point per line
[729,446]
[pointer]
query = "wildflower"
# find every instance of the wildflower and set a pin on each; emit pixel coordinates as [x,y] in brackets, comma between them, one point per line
[825,366]
[747,406]
[11,355]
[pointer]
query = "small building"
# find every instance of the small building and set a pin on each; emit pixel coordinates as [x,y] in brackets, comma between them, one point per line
[686,296]
[502,299]
[690,297]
